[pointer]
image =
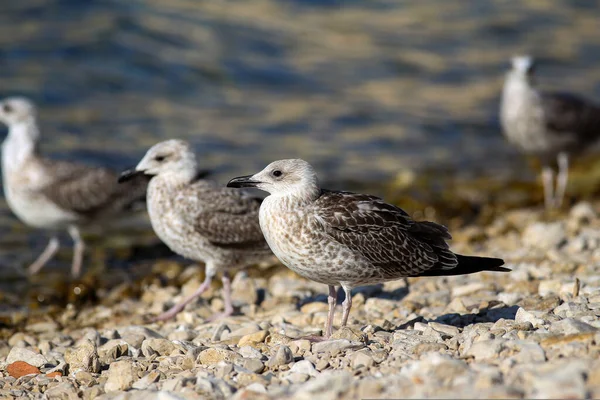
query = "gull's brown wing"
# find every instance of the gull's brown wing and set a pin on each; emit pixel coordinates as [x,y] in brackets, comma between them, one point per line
[384,234]
[91,191]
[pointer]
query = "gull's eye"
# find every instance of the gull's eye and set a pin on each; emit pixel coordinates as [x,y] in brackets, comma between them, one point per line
[277,173]
[7,108]
[160,158]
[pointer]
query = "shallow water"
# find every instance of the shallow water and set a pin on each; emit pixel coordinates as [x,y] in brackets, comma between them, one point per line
[363,90]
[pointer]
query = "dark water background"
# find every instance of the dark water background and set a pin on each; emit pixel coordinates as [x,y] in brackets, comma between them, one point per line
[371,93]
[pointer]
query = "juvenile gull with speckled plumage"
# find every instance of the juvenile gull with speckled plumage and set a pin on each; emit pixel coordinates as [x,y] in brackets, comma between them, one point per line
[199,219]
[347,239]
[54,195]
[551,126]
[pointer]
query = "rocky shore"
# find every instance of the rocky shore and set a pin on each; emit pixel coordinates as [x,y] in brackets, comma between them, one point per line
[531,333]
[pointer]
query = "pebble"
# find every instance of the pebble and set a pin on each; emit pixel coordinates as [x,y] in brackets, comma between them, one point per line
[28,356]
[20,368]
[83,358]
[335,346]
[121,376]
[282,356]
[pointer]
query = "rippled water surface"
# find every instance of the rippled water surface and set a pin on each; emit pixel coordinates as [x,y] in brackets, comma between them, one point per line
[364,90]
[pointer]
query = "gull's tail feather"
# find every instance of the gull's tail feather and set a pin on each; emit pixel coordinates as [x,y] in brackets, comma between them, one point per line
[470,265]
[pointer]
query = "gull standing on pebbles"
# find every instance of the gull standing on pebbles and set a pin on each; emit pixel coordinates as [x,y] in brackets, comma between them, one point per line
[54,195]
[198,219]
[551,126]
[347,239]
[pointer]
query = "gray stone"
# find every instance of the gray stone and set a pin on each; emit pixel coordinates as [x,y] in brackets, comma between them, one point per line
[544,236]
[26,355]
[361,359]
[533,317]
[571,326]
[304,367]
[283,356]
[334,346]
[160,346]
[146,380]
[62,391]
[83,358]
[121,376]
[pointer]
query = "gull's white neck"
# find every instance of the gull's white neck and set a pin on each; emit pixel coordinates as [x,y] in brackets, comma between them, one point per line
[516,84]
[20,144]
[294,199]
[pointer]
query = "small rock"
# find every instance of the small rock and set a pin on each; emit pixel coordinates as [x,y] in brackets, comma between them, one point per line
[314,307]
[582,212]
[448,330]
[532,317]
[304,367]
[544,236]
[252,364]
[26,355]
[256,387]
[570,326]
[41,327]
[146,380]
[336,345]
[470,288]
[243,289]
[283,356]
[121,375]
[486,349]
[361,359]
[219,332]
[350,334]
[62,391]
[162,347]
[549,286]
[83,357]
[20,368]
[250,352]
[256,337]
[213,355]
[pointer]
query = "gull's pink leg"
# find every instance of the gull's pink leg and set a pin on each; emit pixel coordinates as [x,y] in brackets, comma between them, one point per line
[46,256]
[562,179]
[226,298]
[173,311]
[331,300]
[548,181]
[346,305]
[78,250]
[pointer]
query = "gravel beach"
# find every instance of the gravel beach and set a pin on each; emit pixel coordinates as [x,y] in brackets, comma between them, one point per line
[530,333]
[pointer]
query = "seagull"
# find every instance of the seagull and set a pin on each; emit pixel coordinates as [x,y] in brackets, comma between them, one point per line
[349,239]
[198,219]
[551,126]
[55,195]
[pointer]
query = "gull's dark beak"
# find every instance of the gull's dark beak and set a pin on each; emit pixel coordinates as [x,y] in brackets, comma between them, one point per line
[129,174]
[242,182]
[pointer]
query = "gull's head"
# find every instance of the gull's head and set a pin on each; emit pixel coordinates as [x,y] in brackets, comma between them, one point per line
[171,157]
[523,65]
[280,178]
[15,110]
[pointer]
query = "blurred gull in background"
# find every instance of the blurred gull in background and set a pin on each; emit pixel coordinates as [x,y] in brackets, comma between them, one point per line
[551,126]
[55,195]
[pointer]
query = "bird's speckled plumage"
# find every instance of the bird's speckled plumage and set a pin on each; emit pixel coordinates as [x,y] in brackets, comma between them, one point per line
[349,239]
[199,219]
[205,222]
[550,126]
[52,194]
